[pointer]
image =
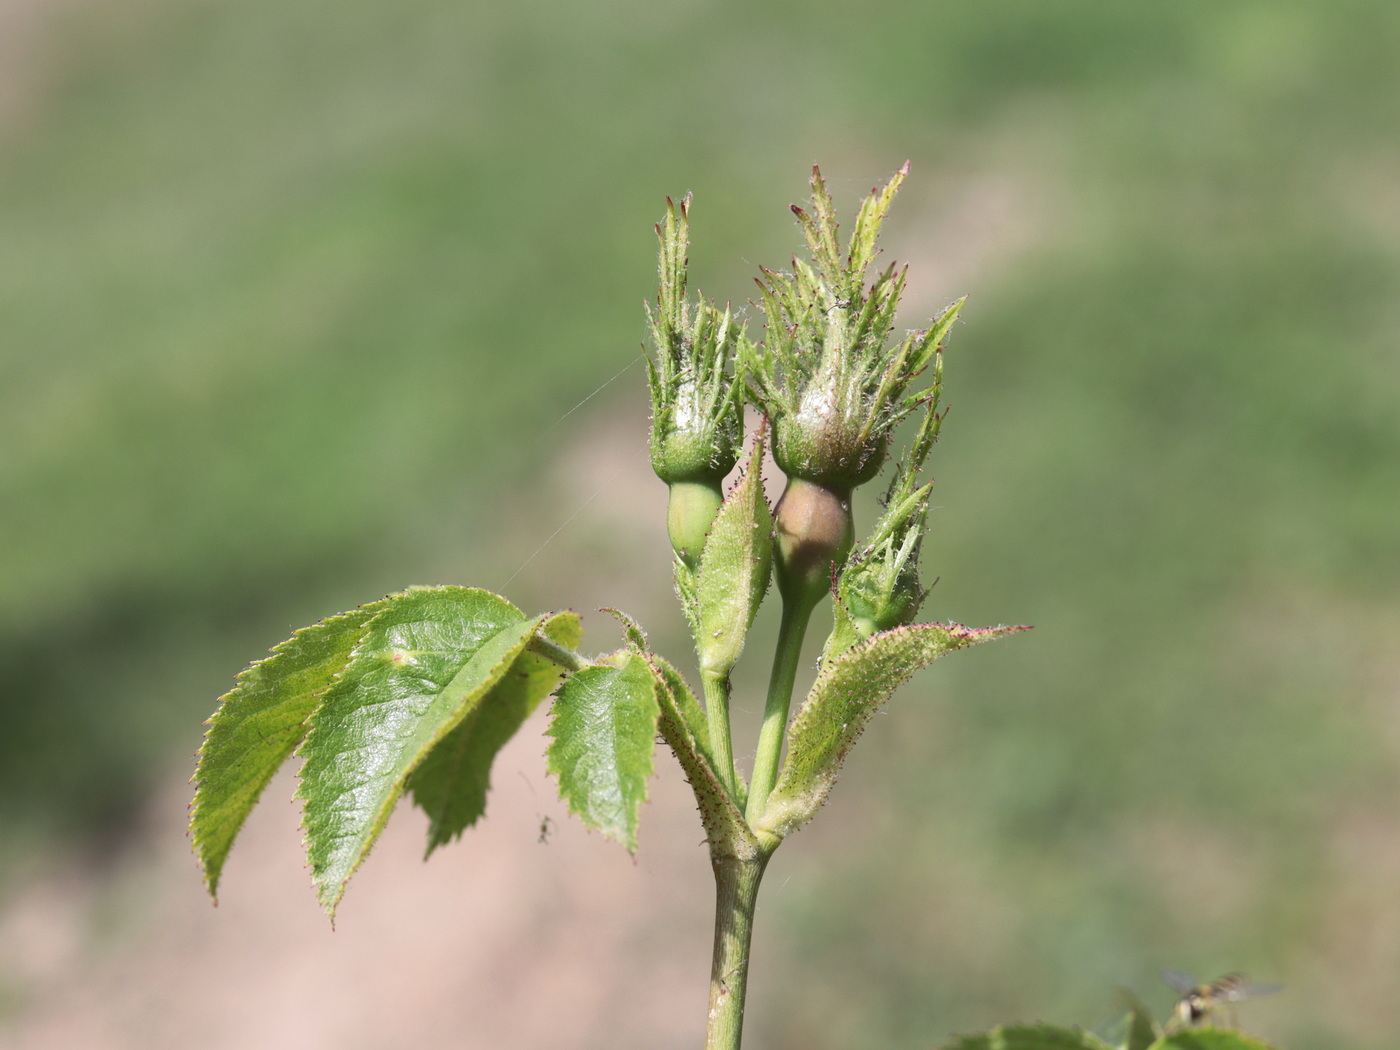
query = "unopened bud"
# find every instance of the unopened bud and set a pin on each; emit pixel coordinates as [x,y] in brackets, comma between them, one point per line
[825,440]
[697,408]
[880,602]
[828,375]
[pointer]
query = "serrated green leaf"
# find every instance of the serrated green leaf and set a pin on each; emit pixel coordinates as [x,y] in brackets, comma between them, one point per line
[425,659]
[677,699]
[683,728]
[258,725]
[451,783]
[847,692]
[687,705]
[604,730]
[1211,1039]
[1030,1037]
[734,569]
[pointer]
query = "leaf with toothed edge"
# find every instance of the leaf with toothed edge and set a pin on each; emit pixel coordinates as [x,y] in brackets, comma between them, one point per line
[604,735]
[687,707]
[847,692]
[682,726]
[258,725]
[426,659]
[636,637]
[451,783]
[1030,1037]
[1210,1039]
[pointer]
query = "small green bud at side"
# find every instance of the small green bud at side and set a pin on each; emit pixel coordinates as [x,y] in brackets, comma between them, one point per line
[874,608]
[813,534]
[879,587]
[690,512]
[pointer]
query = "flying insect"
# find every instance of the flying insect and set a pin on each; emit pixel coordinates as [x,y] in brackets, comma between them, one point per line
[1202,1004]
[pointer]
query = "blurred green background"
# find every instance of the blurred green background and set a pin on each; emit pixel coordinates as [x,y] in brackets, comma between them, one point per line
[296,299]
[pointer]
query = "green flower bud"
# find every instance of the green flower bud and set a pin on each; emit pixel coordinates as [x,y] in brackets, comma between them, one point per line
[879,586]
[827,375]
[697,409]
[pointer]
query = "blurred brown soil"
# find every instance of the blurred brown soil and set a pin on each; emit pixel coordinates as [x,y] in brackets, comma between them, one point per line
[503,940]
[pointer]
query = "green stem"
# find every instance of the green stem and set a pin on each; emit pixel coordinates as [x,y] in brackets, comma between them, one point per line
[716,688]
[569,660]
[796,615]
[736,891]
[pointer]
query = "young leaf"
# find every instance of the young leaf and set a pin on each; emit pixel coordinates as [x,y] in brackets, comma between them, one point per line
[846,693]
[683,728]
[257,726]
[636,637]
[686,705]
[450,784]
[1210,1039]
[604,731]
[734,569]
[426,659]
[1141,1029]
[1030,1037]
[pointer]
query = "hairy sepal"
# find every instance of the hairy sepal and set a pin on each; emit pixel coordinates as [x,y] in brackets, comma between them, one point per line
[257,726]
[451,783]
[604,734]
[428,657]
[847,692]
[734,570]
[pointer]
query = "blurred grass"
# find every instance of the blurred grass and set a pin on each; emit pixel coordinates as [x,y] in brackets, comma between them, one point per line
[290,290]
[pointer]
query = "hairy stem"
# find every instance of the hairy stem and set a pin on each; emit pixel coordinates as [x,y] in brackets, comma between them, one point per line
[716,688]
[736,891]
[797,612]
[542,645]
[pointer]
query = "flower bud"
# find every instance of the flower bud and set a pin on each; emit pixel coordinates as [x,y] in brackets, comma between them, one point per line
[879,587]
[824,441]
[697,410]
[827,376]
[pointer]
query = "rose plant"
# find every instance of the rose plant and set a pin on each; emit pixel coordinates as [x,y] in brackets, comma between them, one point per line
[415,693]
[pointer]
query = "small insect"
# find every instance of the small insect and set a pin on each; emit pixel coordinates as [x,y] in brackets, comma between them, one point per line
[546,826]
[1202,1004]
